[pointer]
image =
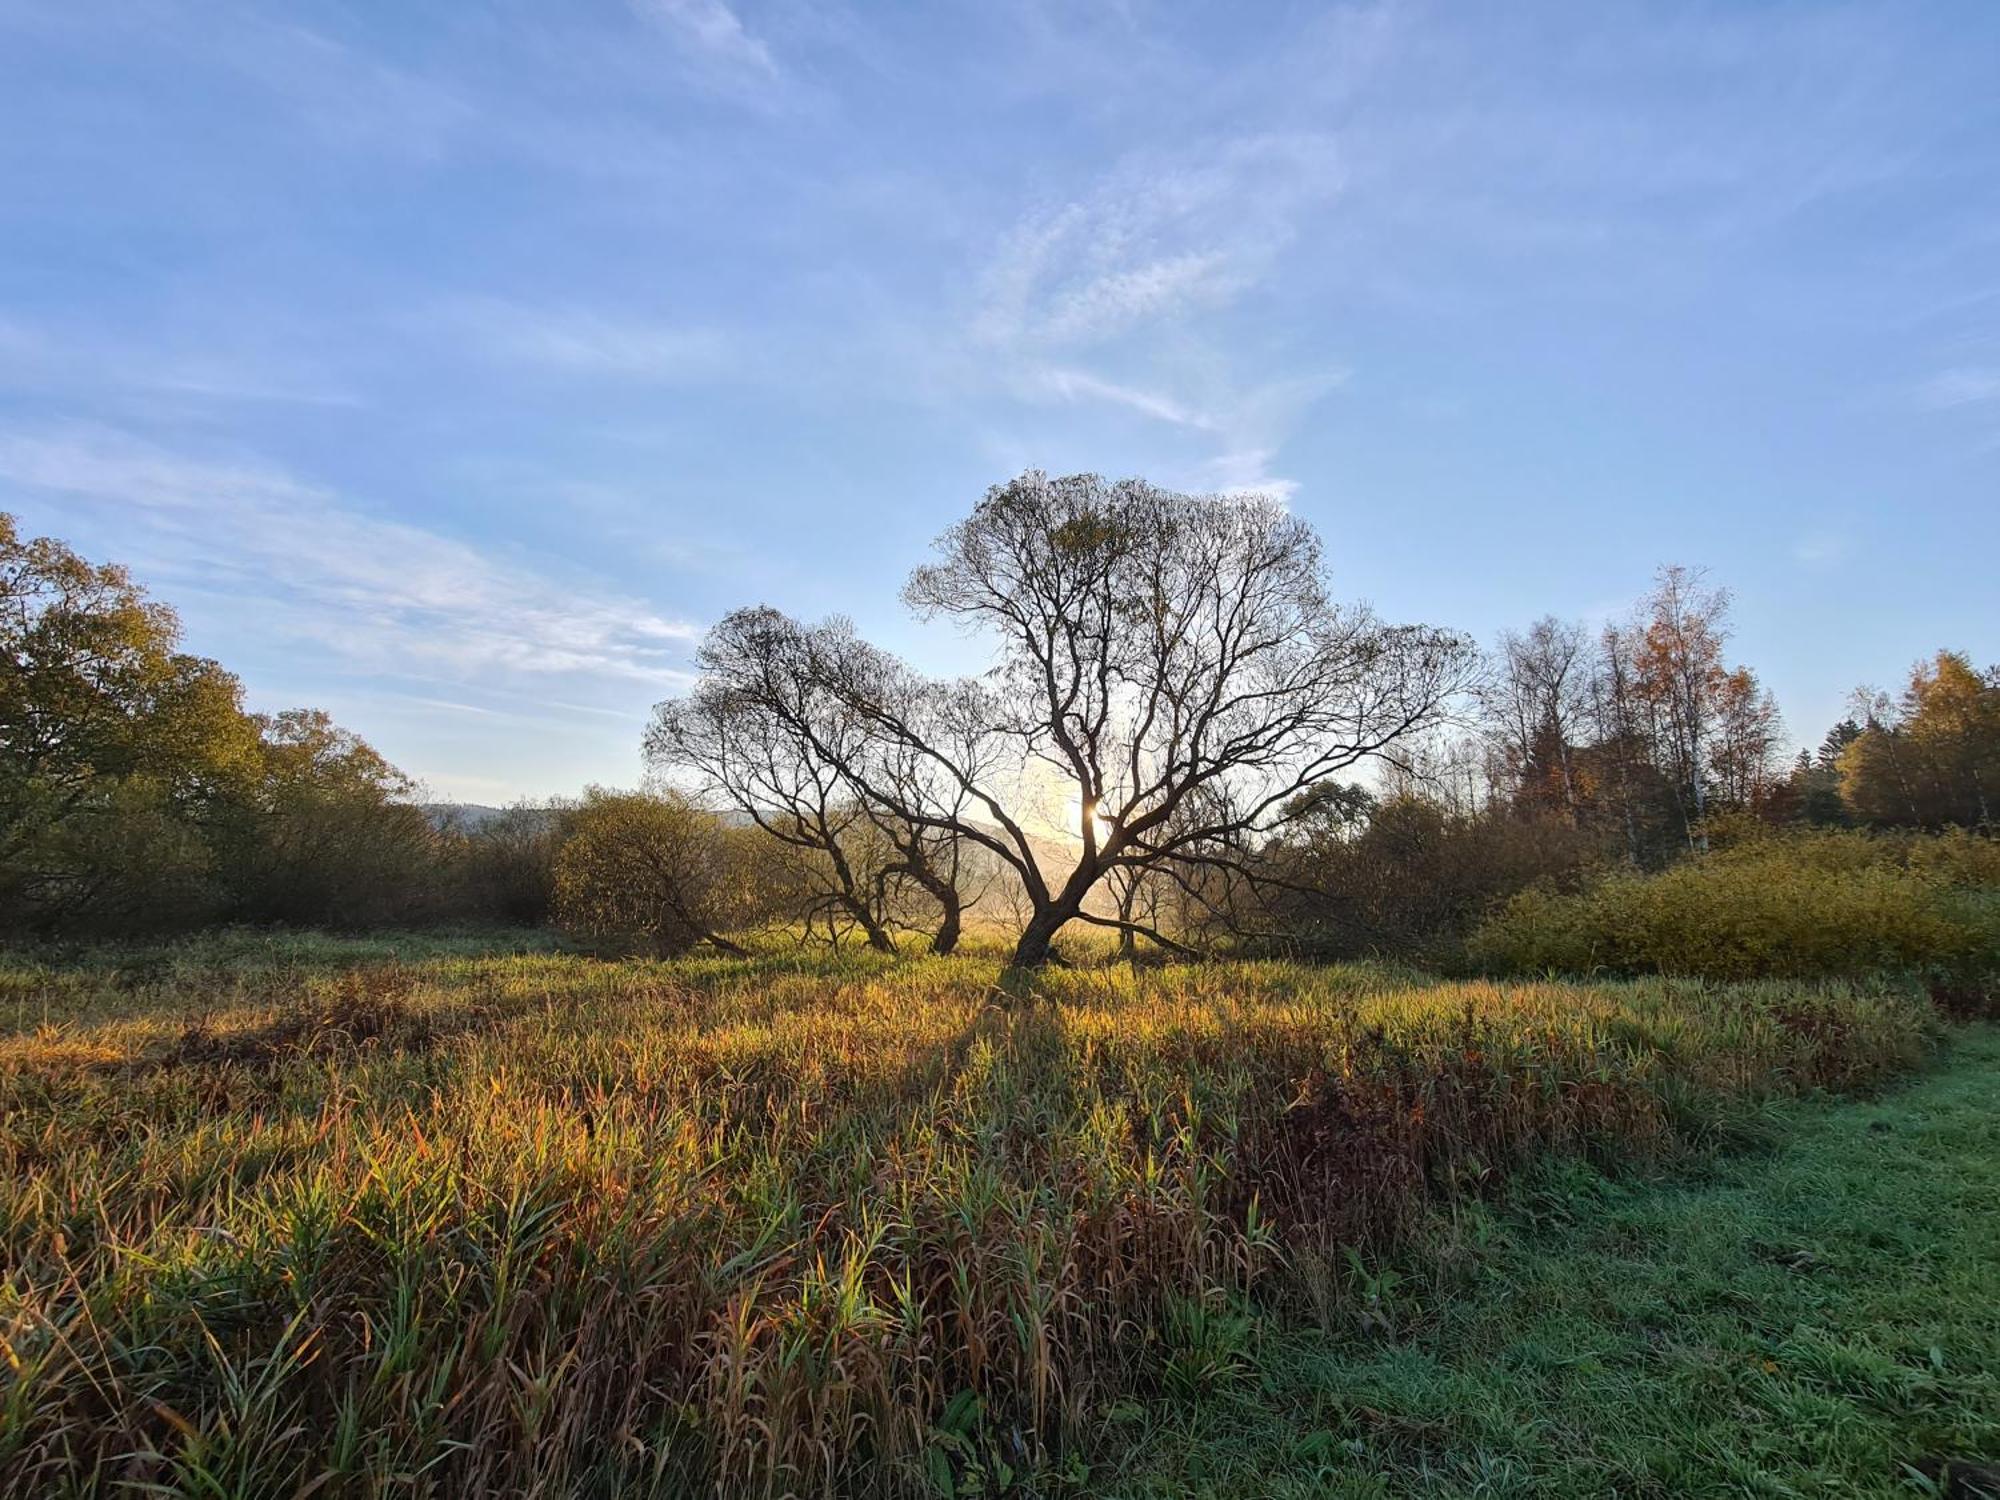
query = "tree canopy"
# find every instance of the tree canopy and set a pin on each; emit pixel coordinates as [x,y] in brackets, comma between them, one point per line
[136,792]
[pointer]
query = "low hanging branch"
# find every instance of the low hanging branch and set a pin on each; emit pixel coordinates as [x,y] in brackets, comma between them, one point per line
[1152,934]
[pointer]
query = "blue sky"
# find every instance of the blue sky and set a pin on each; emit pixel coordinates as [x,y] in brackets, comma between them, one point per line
[450,366]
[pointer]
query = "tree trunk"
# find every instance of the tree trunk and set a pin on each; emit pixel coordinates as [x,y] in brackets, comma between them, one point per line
[1631,813]
[951,910]
[1037,939]
[864,917]
[1036,947]
[946,937]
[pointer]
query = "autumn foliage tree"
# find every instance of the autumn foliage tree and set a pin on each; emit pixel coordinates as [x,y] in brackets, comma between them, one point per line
[1714,726]
[328,832]
[116,748]
[1932,758]
[1641,733]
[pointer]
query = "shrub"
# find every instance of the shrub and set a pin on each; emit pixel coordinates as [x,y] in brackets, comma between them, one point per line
[1827,904]
[1414,880]
[506,866]
[116,860]
[641,873]
[327,835]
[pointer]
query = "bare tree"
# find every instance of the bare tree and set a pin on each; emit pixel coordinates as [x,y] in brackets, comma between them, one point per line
[765,732]
[1154,652]
[930,857]
[1680,677]
[772,744]
[1618,725]
[1535,700]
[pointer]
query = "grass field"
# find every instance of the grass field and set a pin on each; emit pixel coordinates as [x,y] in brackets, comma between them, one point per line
[451,1216]
[1820,1319]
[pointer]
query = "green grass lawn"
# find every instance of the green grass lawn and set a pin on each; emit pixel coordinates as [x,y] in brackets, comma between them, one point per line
[1820,1318]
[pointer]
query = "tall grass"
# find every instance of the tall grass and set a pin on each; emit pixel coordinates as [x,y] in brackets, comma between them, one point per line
[531,1224]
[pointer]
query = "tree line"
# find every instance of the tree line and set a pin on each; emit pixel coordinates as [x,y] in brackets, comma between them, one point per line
[1183,738]
[137,794]
[1628,748]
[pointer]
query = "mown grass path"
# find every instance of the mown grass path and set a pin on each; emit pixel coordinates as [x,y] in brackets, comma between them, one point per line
[1818,1319]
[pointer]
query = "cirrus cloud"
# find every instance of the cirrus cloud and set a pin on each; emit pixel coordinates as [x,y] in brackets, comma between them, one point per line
[374,594]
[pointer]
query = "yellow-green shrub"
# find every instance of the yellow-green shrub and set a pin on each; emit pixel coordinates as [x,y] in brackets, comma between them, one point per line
[1829,904]
[1955,857]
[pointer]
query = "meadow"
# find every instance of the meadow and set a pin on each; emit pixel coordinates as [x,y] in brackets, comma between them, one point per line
[447,1215]
[1818,1316]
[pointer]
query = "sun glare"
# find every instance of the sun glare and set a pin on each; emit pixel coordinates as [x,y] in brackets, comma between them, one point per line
[1073,821]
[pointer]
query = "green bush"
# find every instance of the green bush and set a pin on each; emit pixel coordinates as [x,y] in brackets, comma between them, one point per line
[1831,904]
[1413,881]
[654,874]
[504,869]
[116,859]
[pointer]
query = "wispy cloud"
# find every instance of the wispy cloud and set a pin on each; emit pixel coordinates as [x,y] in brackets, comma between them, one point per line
[1823,548]
[1154,241]
[1962,387]
[47,361]
[341,93]
[1248,473]
[714,39]
[1103,306]
[1073,385]
[1248,422]
[544,714]
[380,595]
[1124,274]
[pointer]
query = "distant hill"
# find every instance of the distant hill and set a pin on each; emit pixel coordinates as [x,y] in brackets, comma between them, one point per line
[468,817]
